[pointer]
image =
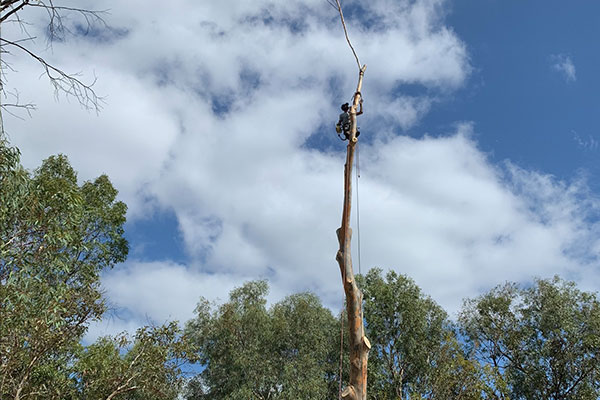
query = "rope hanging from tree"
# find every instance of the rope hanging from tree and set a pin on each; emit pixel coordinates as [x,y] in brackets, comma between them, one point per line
[341,349]
[358,209]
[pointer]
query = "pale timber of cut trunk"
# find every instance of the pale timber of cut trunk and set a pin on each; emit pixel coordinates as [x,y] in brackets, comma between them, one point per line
[359,344]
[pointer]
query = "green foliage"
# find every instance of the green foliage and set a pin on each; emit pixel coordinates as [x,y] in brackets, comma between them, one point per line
[146,368]
[414,352]
[56,237]
[305,338]
[542,342]
[250,351]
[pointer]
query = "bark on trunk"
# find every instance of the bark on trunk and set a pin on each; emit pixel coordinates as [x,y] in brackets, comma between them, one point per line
[359,344]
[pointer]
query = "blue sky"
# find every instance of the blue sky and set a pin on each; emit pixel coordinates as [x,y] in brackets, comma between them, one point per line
[526,109]
[478,153]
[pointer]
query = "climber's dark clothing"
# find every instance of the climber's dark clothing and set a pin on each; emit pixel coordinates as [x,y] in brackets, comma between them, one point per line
[344,122]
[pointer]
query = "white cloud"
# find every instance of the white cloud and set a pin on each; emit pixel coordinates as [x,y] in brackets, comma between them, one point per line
[163,291]
[142,293]
[113,324]
[433,208]
[129,140]
[586,143]
[564,65]
[252,199]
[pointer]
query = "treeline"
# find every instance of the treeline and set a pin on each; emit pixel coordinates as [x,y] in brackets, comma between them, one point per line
[538,342]
[56,236]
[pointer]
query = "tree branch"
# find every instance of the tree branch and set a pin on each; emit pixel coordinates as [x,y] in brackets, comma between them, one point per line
[339,8]
[13,11]
[64,82]
[123,388]
[70,84]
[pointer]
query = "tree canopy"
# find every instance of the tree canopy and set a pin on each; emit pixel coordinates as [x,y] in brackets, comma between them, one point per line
[251,351]
[56,236]
[542,341]
[536,342]
[416,351]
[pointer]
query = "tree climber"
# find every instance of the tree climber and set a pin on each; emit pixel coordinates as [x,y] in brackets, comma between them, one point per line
[343,124]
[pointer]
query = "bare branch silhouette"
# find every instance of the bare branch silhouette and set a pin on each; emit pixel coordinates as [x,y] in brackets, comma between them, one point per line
[69,83]
[64,82]
[338,6]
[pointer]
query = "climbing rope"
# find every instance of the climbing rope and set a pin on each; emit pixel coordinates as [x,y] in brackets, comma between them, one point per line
[341,349]
[358,208]
[358,223]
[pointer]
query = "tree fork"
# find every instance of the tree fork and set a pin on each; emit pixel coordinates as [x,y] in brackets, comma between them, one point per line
[359,344]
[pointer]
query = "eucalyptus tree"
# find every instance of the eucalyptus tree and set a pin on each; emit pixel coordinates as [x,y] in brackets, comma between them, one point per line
[540,341]
[415,353]
[147,366]
[251,351]
[56,237]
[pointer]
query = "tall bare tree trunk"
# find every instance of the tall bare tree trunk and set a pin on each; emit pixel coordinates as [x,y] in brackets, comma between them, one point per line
[359,344]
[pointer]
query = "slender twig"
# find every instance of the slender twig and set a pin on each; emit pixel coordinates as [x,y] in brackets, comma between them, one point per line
[56,27]
[64,82]
[332,4]
[28,107]
[339,8]
[94,13]
[70,84]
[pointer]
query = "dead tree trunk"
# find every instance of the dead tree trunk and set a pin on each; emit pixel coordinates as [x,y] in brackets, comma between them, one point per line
[359,344]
